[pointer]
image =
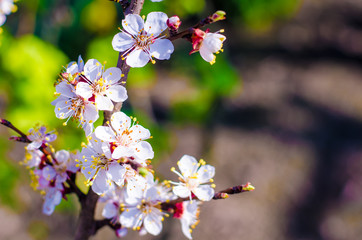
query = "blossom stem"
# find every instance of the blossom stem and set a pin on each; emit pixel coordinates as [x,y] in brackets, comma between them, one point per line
[188,32]
[166,206]
[8,124]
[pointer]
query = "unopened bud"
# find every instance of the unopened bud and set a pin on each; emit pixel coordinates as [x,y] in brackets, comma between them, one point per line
[143,171]
[217,16]
[248,187]
[224,195]
[173,22]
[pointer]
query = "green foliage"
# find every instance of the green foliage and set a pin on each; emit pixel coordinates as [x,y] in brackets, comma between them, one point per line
[9,175]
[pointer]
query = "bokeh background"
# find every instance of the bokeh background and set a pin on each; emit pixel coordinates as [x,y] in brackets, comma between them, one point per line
[281,108]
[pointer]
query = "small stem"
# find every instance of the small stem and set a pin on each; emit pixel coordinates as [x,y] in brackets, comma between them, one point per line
[218,195]
[11,126]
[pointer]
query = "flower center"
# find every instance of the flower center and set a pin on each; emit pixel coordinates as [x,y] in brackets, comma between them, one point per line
[143,40]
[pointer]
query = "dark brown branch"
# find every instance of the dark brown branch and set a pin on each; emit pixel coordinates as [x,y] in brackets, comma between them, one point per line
[74,188]
[24,137]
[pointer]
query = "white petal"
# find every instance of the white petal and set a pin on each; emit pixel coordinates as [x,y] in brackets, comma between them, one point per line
[122,41]
[65,89]
[117,93]
[84,90]
[156,23]
[120,122]
[112,75]
[144,150]
[205,173]
[181,191]
[206,54]
[49,173]
[161,49]
[90,113]
[80,64]
[133,24]
[153,223]
[204,192]
[137,58]
[213,41]
[100,182]
[122,151]
[110,210]
[62,156]
[187,165]
[105,133]
[93,70]
[63,109]
[103,103]
[116,173]
[129,218]
[139,133]
[185,228]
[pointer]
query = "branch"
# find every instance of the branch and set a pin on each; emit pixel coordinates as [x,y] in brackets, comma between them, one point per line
[217,16]
[23,136]
[218,195]
[87,225]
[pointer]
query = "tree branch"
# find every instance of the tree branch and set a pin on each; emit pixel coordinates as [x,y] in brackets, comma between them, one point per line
[87,225]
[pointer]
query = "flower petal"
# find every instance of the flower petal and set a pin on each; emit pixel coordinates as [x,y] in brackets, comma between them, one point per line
[137,58]
[187,165]
[117,93]
[105,133]
[112,75]
[93,70]
[90,113]
[84,90]
[206,54]
[103,103]
[181,191]
[129,218]
[133,24]
[65,89]
[156,23]
[116,173]
[153,222]
[144,150]
[161,49]
[122,41]
[204,192]
[120,122]
[110,210]
[205,173]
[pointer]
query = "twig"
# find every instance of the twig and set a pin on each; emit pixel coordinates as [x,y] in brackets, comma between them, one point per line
[218,195]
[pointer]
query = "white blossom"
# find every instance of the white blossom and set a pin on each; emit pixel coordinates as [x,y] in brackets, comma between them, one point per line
[142,210]
[127,137]
[38,137]
[193,177]
[142,41]
[103,86]
[101,170]
[188,213]
[69,105]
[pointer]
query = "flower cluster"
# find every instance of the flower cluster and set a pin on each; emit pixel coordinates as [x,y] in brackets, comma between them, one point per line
[49,170]
[116,160]
[86,88]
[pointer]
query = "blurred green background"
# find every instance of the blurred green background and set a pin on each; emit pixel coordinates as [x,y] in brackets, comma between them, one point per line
[281,107]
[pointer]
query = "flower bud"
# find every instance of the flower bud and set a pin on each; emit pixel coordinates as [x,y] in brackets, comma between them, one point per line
[173,23]
[217,16]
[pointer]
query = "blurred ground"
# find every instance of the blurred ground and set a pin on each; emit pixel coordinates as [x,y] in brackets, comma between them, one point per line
[295,132]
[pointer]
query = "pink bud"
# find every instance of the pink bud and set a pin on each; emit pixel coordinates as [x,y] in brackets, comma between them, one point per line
[173,22]
[217,16]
